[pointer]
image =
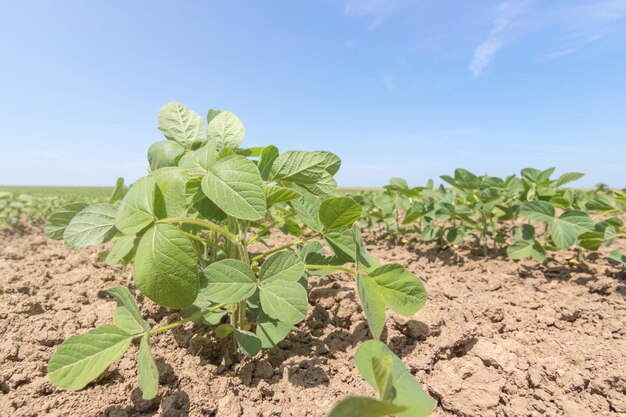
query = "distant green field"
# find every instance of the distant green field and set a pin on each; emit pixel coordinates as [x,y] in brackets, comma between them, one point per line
[96,193]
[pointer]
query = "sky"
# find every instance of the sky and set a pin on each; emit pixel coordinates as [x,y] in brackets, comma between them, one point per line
[408,88]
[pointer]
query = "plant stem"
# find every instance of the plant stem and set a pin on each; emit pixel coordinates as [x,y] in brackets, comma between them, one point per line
[186,320]
[203,223]
[332,268]
[288,245]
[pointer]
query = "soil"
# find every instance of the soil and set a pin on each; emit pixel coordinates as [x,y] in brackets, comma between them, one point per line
[496,338]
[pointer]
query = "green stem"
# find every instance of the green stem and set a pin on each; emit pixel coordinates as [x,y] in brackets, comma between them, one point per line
[286,246]
[203,223]
[186,320]
[332,268]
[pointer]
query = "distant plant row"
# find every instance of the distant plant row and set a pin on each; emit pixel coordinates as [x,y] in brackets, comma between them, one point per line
[529,215]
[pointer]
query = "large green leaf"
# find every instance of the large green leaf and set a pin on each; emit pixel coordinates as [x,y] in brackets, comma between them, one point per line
[60,218]
[148,372]
[339,213]
[325,185]
[136,211]
[270,331]
[235,186]
[332,163]
[362,258]
[248,342]
[373,304]
[164,153]
[82,358]
[408,392]
[95,224]
[282,266]
[166,267]
[181,124]
[569,225]
[540,211]
[403,292]
[202,302]
[299,167]
[363,407]
[127,315]
[568,177]
[229,281]
[284,301]
[227,130]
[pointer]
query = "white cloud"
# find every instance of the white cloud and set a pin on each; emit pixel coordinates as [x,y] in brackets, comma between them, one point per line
[377,10]
[570,26]
[496,39]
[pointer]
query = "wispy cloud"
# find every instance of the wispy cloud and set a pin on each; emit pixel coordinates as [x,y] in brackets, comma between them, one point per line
[496,39]
[570,26]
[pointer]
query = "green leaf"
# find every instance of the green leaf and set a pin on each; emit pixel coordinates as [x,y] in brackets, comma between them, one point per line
[408,392]
[201,303]
[229,281]
[95,224]
[271,332]
[82,358]
[165,267]
[136,211]
[339,213]
[568,177]
[569,226]
[383,375]
[171,186]
[211,114]
[342,244]
[617,256]
[199,160]
[127,315]
[223,330]
[277,194]
[235,186]
[248,342]
[60,218]
[122,247]
[332,163]
[164,153]
[226,130]
[325,185]
[299,167]
[282,266]
[118,191]
[266,161]
[307,209]
[148,371]
[398,184]
[363,407]
[181,124]
[540,211]
[523,249]
[373,304]
[363,260]
[403,292]
[285,301]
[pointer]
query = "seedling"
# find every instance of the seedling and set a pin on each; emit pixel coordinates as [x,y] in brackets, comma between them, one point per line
[192,226]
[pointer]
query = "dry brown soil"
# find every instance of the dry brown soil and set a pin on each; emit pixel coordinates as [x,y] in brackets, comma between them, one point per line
[497,338]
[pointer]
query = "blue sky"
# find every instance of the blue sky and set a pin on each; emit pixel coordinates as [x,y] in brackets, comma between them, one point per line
[394,87]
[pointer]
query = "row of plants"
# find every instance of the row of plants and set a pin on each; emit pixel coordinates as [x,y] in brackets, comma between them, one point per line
[18,204]
[196,229]
[529,215]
